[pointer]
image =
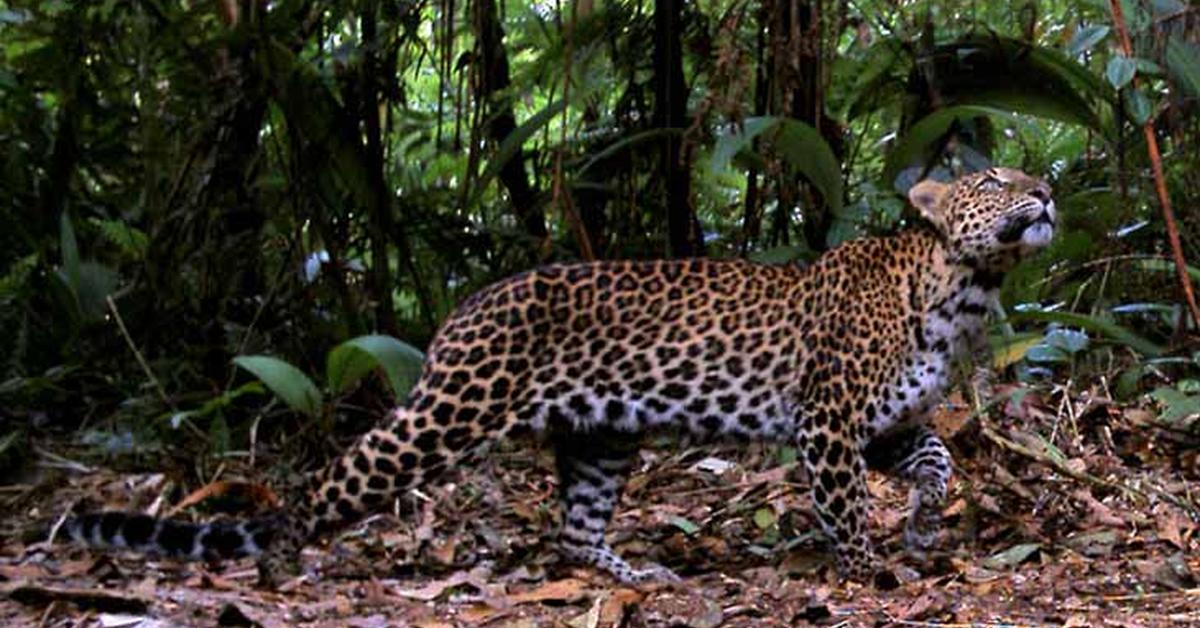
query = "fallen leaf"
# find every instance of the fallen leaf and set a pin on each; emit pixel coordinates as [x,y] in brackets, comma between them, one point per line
[435,589]
[1099,512]
[716,466]
[1012,556]
[929,604]
[23,572]
[257,493]
[590,619]
[616,603]
[684,524]
[1093,543]
[1168,522]
[764,518]
[1174,574]
[566,590]
[118,620]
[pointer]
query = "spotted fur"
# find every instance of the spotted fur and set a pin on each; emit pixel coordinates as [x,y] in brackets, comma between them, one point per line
[845,359]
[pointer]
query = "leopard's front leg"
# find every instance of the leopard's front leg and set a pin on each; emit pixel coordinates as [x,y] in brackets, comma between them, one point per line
[838,471]
[916,454]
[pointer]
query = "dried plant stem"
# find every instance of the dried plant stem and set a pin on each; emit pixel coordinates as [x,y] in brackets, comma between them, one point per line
[162,393]
[1160,184]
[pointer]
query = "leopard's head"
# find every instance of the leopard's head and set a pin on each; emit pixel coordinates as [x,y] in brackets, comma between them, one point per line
[989,219]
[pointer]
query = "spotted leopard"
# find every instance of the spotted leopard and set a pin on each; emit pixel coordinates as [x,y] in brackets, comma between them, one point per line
[844,358]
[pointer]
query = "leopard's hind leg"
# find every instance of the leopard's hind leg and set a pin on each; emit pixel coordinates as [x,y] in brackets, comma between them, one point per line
[592,469]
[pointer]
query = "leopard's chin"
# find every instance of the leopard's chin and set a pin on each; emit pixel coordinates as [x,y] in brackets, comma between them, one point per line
[1037,235]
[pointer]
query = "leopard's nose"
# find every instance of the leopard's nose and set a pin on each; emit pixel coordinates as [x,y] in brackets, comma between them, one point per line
[1041,192]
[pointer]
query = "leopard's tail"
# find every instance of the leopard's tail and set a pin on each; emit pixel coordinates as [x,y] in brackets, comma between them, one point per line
[172,538]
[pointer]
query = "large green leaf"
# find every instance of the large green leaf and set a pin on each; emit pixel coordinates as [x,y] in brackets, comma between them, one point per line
[1086,38]
[998,76]
[1102,326]
[286,381]
[1183,61]
[1120,71]
[798,144]
[1015,76]
[624,143]
[351,360]
[512,144]
[917,145]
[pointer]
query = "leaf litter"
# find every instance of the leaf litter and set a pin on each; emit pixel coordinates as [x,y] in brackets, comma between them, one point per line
[1063,511]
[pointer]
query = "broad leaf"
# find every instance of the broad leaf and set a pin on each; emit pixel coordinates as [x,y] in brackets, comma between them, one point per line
[351,360]
[286,381]
[1101,326]
[1120,71]
[917,145]
[1177,405]
[1183,61]
[1138,104]
[799,144]
[1009,350]
[1086,38]
[511,146]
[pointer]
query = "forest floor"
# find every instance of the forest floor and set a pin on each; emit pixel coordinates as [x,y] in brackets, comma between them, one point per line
[1066,510]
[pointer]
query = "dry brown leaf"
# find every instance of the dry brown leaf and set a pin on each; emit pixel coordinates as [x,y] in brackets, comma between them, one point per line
[443,551]
[1169,523]
[1097,510]
[435,589]
[566,590]
[590,619]
[482,613]
[18,572]
[615,604]
[257,493]
[928,604]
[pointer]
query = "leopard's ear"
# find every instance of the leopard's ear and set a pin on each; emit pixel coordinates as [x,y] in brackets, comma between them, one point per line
[927,197]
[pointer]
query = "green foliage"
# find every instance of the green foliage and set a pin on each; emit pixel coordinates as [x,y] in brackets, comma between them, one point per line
[288,382]
[799,145]
[353,359]
[1180,405]
[345,366]
[1120,71]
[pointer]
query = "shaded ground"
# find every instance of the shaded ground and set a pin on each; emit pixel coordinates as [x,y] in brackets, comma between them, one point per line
[1064,511]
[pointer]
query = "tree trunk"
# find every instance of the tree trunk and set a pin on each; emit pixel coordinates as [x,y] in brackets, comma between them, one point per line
[797,71]
[493,80]
[381,198]
[670,111]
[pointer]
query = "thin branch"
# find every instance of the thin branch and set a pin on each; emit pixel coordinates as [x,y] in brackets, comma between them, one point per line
[162,393]
[559,195]
[1160,184]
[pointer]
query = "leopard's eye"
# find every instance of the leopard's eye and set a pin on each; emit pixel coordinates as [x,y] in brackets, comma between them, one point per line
[991,184]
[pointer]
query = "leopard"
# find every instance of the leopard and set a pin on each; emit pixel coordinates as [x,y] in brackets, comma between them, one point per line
[845,359]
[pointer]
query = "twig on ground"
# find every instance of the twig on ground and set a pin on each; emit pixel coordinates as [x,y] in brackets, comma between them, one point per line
[99,599]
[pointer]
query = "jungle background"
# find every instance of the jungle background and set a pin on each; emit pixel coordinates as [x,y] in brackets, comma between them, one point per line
[229,228]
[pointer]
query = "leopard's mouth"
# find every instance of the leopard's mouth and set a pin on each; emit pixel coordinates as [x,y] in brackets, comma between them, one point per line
[1033,230]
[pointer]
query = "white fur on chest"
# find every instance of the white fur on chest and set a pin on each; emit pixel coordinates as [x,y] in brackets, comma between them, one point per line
[953,326]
